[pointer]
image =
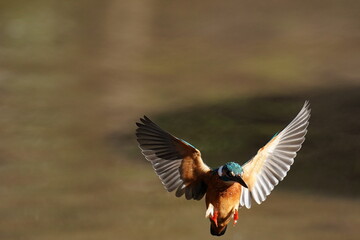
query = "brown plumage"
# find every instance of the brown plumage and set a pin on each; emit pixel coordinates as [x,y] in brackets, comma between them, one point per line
[225,198]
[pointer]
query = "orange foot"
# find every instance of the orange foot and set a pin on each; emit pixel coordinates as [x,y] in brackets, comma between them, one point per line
[236,216]
[214,217]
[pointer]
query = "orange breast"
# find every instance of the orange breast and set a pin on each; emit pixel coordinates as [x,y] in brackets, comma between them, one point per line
[224,196]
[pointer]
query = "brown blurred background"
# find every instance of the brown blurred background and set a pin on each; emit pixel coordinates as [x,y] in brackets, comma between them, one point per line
[224,75]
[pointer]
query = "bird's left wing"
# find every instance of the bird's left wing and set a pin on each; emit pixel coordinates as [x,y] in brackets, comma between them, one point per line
[272,162]
[177,163]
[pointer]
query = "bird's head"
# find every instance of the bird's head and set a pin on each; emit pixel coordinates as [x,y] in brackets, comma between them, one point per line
[231,172]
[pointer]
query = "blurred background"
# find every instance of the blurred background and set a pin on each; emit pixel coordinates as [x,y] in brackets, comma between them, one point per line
[75,76]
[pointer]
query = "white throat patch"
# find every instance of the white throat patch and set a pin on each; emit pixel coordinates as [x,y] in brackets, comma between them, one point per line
[220,171]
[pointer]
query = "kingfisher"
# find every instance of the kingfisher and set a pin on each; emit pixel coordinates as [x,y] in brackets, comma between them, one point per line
[231,186]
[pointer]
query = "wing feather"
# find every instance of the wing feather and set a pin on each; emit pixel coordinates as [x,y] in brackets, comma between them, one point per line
[177,163]
[272,162]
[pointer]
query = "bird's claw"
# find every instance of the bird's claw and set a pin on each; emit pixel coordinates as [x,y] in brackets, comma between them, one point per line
[236,216]
[214,217]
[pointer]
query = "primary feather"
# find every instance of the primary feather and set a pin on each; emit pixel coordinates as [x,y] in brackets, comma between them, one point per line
[177,163]
[272,162]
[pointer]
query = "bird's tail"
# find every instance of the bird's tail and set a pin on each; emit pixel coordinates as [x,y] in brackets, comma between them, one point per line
[217,230]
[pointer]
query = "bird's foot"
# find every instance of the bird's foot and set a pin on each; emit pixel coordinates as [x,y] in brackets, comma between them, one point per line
[236,216]
[214,217]
[212,214]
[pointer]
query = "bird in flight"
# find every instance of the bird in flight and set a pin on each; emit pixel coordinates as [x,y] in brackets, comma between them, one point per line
[180,168]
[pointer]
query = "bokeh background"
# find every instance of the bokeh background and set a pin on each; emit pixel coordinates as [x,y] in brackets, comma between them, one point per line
[224,75]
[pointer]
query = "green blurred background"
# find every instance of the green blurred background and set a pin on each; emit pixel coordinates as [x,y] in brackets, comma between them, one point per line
[224,75]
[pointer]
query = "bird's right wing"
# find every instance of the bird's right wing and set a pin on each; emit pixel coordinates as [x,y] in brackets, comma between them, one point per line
[177,163]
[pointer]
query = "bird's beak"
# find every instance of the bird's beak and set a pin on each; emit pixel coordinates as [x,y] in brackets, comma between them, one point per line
[239,179]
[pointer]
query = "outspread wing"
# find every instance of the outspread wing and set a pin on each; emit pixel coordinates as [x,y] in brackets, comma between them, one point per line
[177,163]
[272,162]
